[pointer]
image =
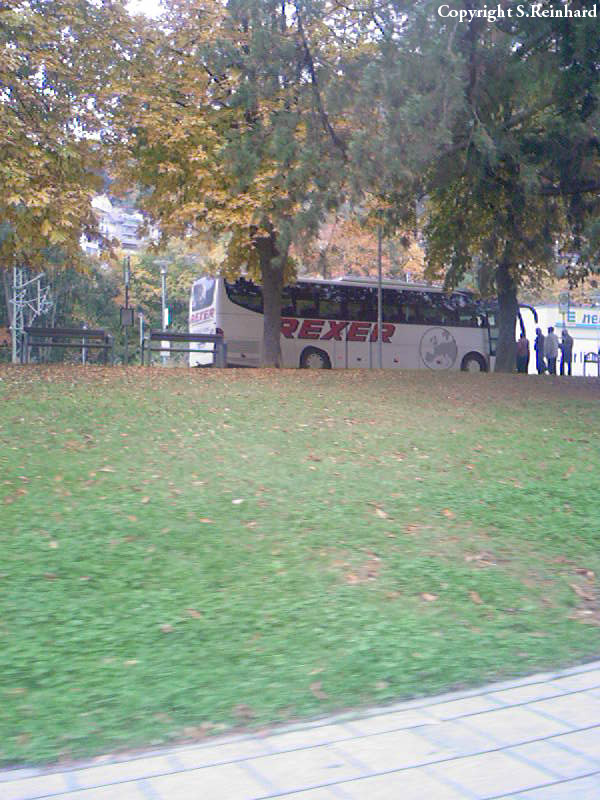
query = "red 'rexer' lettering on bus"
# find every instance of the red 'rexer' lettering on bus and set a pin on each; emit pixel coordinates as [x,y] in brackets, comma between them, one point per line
[387,331]
[311,329]
[335,330]
[358,331]
[288,326]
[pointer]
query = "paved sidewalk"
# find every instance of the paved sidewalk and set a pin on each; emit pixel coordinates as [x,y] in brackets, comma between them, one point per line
[532,739]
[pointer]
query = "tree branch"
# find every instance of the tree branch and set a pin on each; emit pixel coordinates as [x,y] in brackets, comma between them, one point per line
[582,187]
[317,94]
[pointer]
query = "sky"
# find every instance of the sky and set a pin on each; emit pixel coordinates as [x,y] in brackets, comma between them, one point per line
[149,7]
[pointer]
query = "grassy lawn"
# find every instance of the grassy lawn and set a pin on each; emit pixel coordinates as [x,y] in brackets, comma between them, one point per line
[183,552]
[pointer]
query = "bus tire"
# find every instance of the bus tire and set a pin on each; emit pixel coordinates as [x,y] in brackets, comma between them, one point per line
[313,358]
[473,362]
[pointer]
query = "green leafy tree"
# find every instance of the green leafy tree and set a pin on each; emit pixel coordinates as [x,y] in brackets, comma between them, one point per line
[183,267]
[493,124]
[233,132]
[518,184]
[54,57]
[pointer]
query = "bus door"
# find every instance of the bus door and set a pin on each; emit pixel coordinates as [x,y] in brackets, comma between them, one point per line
[532,310]
[494,324]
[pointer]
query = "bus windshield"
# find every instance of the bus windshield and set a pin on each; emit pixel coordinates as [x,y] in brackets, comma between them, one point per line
[203,293]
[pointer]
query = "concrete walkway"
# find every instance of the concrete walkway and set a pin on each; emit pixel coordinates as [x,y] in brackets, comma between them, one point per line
[532,739]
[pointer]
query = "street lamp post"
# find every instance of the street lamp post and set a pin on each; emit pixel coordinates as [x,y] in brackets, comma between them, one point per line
[163,277]
[127,276]
[164,311]
[379,301]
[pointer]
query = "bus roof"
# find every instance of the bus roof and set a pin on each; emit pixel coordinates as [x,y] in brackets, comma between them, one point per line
[351,280]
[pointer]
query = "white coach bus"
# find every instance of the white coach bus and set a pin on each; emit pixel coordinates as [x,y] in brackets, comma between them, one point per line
[333,324]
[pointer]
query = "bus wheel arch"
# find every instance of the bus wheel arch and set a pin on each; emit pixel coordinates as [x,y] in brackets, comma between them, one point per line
[474,362]
[314,358]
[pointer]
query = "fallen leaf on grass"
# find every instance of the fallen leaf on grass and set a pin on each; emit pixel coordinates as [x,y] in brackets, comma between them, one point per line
[317,691]
[381,513]
[145,500]
[484,559]
[244,712]
[587,572]
[167,628]
[193,613]
[429,597]
[581,592]
[447,513]
[207,520]
[411,529]
[475,597]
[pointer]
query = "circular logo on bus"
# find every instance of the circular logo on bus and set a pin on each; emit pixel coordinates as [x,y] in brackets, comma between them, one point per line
[438,349]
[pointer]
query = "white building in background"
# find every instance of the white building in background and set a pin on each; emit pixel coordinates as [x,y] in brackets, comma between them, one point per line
[582,322]
[117,222]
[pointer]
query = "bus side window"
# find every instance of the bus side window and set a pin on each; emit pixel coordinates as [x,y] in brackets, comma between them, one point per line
[361,303]
[288,307]
[466,312]
[391,306]
[307,301]
[330,302]
[448,310]
[411,307]
[244,293]
[431,309]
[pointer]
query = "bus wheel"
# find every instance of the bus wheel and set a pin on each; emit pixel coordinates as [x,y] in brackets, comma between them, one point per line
[473,362]
[312,358]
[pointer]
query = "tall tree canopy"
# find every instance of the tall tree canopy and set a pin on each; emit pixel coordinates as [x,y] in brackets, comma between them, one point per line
[235,128]
[517,189]
[493,123]
[54,57]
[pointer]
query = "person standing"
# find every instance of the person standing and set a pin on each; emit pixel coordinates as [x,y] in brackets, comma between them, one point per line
[538,346]
[551,350]
[523,354]
[566,352]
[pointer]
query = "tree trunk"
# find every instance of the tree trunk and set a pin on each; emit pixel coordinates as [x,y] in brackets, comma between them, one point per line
[272,266]
[508,308]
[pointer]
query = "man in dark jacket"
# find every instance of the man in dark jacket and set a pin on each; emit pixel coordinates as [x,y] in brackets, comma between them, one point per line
[538,346]
[566,350]
[523,354]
